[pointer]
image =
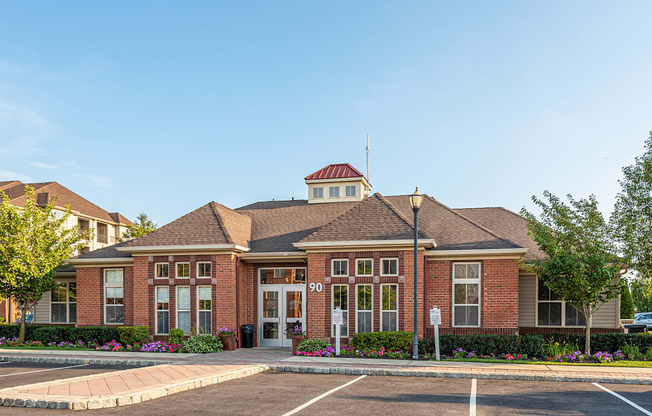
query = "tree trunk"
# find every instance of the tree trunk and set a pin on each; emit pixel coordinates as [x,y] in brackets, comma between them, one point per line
[587,334]
[23,316]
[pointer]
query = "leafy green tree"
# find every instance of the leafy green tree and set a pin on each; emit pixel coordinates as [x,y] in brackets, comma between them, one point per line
[642,294]
[579,263]
[626,303]
[632,216]
[142,226]
[33,244]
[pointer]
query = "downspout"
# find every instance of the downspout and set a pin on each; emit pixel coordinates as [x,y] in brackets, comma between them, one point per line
[237,300]
[425,307]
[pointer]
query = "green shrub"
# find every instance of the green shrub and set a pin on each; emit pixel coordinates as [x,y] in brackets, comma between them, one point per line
[202,344]
[312,345]
[54,333]
[531,345]
[133,334]
[392,341]
[611,342]
[176,336]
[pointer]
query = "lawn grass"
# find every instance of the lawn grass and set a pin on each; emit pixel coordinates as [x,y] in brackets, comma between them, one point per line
[45,347]
[623,363]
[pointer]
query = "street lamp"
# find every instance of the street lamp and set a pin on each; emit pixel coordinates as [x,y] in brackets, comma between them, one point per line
[415,201]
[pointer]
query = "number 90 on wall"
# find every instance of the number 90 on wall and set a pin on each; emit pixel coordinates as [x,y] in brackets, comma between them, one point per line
[315,287]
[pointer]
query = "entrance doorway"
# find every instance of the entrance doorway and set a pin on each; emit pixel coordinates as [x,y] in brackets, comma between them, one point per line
[280,306]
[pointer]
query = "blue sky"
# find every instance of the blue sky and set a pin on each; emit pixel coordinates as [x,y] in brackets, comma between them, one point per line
[163,106]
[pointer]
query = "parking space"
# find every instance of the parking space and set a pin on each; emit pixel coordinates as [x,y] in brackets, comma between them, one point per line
[18,374]
[287,394]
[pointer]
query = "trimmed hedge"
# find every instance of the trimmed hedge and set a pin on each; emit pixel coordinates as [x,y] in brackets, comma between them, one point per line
[532,345]
[604,342]
[133,334]
[52,333]
[393,341]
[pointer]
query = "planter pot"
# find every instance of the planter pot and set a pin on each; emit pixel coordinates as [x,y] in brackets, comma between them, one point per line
[228,341]
[296,340]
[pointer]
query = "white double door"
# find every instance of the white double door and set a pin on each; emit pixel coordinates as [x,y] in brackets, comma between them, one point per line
[280,307]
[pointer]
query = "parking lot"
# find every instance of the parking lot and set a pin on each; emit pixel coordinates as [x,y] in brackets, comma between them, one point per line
[286,394]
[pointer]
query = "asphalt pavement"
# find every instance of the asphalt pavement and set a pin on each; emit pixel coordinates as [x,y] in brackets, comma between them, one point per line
[286,394]
[19,374]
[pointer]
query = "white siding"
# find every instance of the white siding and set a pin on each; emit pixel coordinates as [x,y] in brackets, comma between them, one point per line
[526,300]
[42,310]
[607,316]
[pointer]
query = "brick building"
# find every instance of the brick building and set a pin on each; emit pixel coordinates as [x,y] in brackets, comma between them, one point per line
[277,263]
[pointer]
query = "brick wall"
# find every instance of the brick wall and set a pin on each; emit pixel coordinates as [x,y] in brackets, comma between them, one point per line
[318,319]
[89,296]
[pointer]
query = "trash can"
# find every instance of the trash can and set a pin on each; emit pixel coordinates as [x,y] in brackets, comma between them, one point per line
[247,336]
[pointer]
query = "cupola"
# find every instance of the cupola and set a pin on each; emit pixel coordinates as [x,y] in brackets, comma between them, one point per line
[337,183]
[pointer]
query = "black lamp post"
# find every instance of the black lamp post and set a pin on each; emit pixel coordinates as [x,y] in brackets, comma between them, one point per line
[415,201]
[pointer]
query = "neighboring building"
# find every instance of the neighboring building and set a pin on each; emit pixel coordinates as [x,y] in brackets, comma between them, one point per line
[278,263]
[108,228]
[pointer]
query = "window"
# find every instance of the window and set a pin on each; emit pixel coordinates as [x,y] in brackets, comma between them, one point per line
[102,233]
[553,311]
[317,192]
[364,308]
[364,267]
[466,294]
[283,276]
[113,297]
[340,297]
[183,270]
[389,267]
[162,310]
[183,309]
[334,192]
[389,307]
[350,190]
[161,270]
[340,267]
[63,303]
[204,269]
[204,309]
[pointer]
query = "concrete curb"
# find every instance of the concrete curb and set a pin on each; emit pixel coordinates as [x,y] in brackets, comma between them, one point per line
[355,371]
[92,361]
[134,397]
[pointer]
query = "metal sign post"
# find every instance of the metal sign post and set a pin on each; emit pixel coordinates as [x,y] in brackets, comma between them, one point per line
[337,321]
[435,321]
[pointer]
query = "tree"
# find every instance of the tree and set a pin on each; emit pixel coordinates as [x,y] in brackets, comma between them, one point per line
[626,303]
[142,226]
[642,294]
[33,244]
[579,263]
[632,216]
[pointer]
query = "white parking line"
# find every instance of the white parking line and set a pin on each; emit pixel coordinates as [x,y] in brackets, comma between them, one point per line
[629,402]
[474,388]
[4,362]
[44,369]
[316,399]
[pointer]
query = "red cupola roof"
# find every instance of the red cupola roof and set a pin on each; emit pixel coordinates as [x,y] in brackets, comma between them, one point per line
[336,171]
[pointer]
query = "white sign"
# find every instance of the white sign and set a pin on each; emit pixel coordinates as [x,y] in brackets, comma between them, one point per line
[338,318]
[435,316]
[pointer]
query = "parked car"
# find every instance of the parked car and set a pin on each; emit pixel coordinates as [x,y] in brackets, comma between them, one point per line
[28,319]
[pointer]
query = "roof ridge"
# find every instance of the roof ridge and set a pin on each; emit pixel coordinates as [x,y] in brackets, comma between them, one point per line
[471,222]
[509,211]
[221,223]
[400,215]
[335,219]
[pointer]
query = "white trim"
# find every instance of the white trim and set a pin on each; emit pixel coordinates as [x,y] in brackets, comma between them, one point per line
[347,267]
[493,251]
[185,248]
[351,179]
[155,271]
[300,254]
[113,285]
[423,242]
[364,259]
[381,266]
[330,188]
[478,281]
[389,310]
[197,263]
[176,270]
[346,188]
[156,311]
[67,302]
[209,287]
[372,307]
[176,307]
[105,260]
[343,310]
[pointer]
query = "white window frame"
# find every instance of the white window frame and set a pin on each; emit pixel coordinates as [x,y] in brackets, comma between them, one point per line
[477,281]
[344,327]
[114,285]
[346,190]
[176,269]
[210,311]
[388,310]
[197,267]
[370,311]
[333,268]
[314,192]
[156,310]
[67,302]
[364,275]
[177,310]
[156,270]
[382,267]
[331,189]
[563,309]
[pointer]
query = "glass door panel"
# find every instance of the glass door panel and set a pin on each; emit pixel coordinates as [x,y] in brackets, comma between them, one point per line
[270,319]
